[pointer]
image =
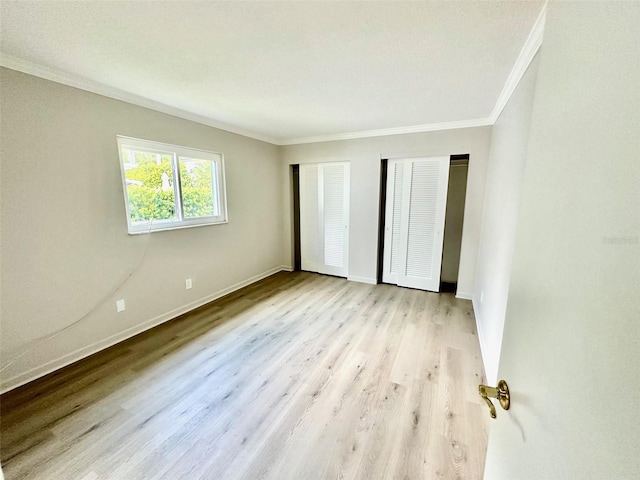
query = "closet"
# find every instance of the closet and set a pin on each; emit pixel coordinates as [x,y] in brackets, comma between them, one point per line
[324,217]
[416,198]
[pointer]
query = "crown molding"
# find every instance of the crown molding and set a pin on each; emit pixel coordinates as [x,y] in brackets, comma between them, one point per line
[529,50]
[429,127]
[76,81]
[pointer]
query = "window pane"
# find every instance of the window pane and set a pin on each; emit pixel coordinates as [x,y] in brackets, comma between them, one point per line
[198,182]
[149,179]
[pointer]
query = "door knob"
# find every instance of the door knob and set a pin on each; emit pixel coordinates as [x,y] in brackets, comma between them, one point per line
[501,392]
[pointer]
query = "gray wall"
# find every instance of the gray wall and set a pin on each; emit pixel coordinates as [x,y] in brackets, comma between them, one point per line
[364,155]
[571,347]
[500,217]
[64,232]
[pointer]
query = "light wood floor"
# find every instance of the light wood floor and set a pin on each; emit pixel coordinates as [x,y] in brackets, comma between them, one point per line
[299,376]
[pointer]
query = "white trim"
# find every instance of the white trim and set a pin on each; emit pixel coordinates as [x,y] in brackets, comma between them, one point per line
[529,50]
[428,127]
[72,80]
[42,370]
[464,295]
[370,281]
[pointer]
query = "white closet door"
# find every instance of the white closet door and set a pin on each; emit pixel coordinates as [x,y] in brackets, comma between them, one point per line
[310,233]
[419,200]
[324,218]
[334,205]
[393,213]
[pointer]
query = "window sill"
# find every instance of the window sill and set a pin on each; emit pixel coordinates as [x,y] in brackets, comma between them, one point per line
[178,226]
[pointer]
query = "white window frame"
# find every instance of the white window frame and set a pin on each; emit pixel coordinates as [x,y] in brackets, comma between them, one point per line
[177,152]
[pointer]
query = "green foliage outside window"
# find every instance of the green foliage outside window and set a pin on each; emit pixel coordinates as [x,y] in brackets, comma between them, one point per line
[150,204]
[152,198]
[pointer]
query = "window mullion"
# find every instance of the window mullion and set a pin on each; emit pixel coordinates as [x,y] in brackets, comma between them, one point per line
[177,186]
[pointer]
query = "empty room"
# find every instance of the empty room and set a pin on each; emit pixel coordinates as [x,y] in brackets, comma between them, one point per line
[387,240]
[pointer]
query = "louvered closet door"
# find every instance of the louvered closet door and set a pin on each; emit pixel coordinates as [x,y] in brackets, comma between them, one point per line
[310,233]
[324,218]
[415,212]
[393,213]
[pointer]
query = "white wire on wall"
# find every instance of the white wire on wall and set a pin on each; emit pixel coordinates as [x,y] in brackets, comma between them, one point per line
[50,336]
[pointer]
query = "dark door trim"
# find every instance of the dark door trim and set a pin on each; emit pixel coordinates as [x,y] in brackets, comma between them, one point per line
[381,216]
[297,256]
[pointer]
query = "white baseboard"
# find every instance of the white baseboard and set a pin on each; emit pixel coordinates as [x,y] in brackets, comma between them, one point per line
[286,268]
[464,295]
[371,281]
[58,363]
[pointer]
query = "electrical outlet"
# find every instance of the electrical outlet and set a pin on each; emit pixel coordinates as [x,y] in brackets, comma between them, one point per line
[188,284]
[120,305]
[481,296]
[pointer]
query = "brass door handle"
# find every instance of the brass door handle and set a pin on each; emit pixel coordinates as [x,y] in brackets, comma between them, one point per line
[501,392]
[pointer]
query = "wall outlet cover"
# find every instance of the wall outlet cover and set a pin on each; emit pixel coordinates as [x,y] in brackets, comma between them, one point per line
[120,306]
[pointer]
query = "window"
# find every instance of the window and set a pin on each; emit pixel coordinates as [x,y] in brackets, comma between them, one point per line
[167,186]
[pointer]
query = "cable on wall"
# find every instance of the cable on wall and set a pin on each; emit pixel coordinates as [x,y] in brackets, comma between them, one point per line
[45,338]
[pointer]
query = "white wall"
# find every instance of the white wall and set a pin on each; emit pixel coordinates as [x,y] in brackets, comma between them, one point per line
[500,216]
[364,155]
[64,231]
[571,348]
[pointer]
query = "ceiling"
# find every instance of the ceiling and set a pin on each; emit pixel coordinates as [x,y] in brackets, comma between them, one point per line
[282,71]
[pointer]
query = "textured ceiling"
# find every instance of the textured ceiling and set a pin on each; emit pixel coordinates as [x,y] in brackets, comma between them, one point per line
[280,69]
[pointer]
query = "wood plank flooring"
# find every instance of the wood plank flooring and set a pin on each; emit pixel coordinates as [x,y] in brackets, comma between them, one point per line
[299,376]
